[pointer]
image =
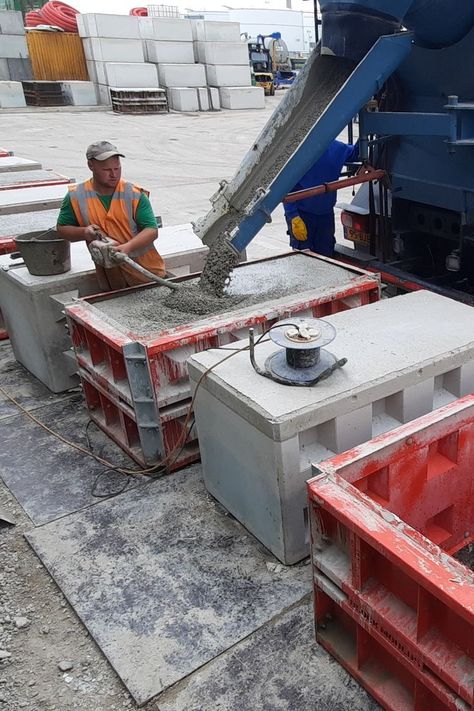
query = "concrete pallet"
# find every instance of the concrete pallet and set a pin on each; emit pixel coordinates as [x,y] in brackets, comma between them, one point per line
[100,49]
[79,93]
[110,26]
[242,97]
[167,29]
[221,53]
[11,23]
[169,52]
[11,95]
[13,47]
[204,31]
[182,75]
[269,435]
[131,75]
[183,99]
[222,74]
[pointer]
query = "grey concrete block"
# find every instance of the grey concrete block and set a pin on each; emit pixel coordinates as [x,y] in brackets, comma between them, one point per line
[100,49]
[242,97]
[182,75]
[220,75]
[20,69]
[97,72]
[169,52]
[210,31]
[110,26]
[131,75]
[183,99]
[13,47]
[168,29]
[4,70]
[215,102]
[79,93]
[221,53]
[11,95]
[103,95]
[268,435]
[11,23]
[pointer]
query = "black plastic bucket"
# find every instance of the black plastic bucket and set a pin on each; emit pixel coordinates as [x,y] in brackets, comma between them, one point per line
[44,253]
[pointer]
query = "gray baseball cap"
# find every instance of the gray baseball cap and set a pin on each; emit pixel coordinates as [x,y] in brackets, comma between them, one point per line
[102,150]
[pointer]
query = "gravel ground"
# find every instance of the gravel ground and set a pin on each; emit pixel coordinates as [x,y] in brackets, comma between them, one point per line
[48,661]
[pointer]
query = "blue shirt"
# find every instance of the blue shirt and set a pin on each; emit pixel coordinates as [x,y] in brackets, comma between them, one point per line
[325,170]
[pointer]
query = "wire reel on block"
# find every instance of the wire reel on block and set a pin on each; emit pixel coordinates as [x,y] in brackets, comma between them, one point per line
[303,361]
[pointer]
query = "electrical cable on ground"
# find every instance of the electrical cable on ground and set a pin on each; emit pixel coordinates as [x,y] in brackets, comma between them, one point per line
[136,473]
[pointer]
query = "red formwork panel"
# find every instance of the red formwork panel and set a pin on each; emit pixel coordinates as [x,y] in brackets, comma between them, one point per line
[4,153]
[99,345]
[391,604]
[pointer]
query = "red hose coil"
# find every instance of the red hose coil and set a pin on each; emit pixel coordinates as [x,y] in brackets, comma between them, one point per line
[58,13]
[139,12]
[34,18]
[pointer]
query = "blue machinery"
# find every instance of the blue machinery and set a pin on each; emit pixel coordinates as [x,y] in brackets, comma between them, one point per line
[416,59]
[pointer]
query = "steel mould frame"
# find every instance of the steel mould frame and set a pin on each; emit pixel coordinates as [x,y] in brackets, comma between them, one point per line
[391,604]
[115,404]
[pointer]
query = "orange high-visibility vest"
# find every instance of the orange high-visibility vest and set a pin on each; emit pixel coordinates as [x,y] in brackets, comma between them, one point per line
[118,223]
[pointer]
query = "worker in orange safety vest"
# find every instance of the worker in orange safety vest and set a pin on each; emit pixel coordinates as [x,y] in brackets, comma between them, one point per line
[119,209]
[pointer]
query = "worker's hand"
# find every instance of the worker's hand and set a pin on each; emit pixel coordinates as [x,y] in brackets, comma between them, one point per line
[298,229]
[91,232]
[124,248]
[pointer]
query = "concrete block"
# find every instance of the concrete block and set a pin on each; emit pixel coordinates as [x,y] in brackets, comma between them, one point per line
[20,69]
[103,95]
[215,99]
[11,95]
[182,75]
[79,93]
[100,49]
[183,99]
[205,31]
[221,53]
[168,29]
[13,47]
[169,52]
[269,438]
[11,23]
[110,26]
[131,75]
[203,99]
[242,97]
[223,74]
[97,72]
[4,70]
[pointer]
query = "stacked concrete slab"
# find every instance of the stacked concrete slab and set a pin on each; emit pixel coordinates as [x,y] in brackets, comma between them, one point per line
[114,54]
[15,64]
[218,46]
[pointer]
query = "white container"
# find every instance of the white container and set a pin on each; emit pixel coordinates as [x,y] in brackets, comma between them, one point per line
[13,47]
[224,74]
[11,95]
[182,75]
[242,97]
[221,53]
[168,29]
[183,99]
[110,26]
[100,49]
[11,23]
[79,93]
[169,52]
[258,439]
[205,31]
[132,75]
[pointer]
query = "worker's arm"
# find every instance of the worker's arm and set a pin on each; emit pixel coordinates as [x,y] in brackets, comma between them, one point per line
[68,226]
[147,228]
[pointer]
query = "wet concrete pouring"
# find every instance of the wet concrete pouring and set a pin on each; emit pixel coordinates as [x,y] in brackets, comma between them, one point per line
[153,309]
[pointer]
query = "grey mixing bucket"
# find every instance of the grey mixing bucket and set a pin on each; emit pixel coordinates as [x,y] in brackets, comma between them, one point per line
[44,253]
